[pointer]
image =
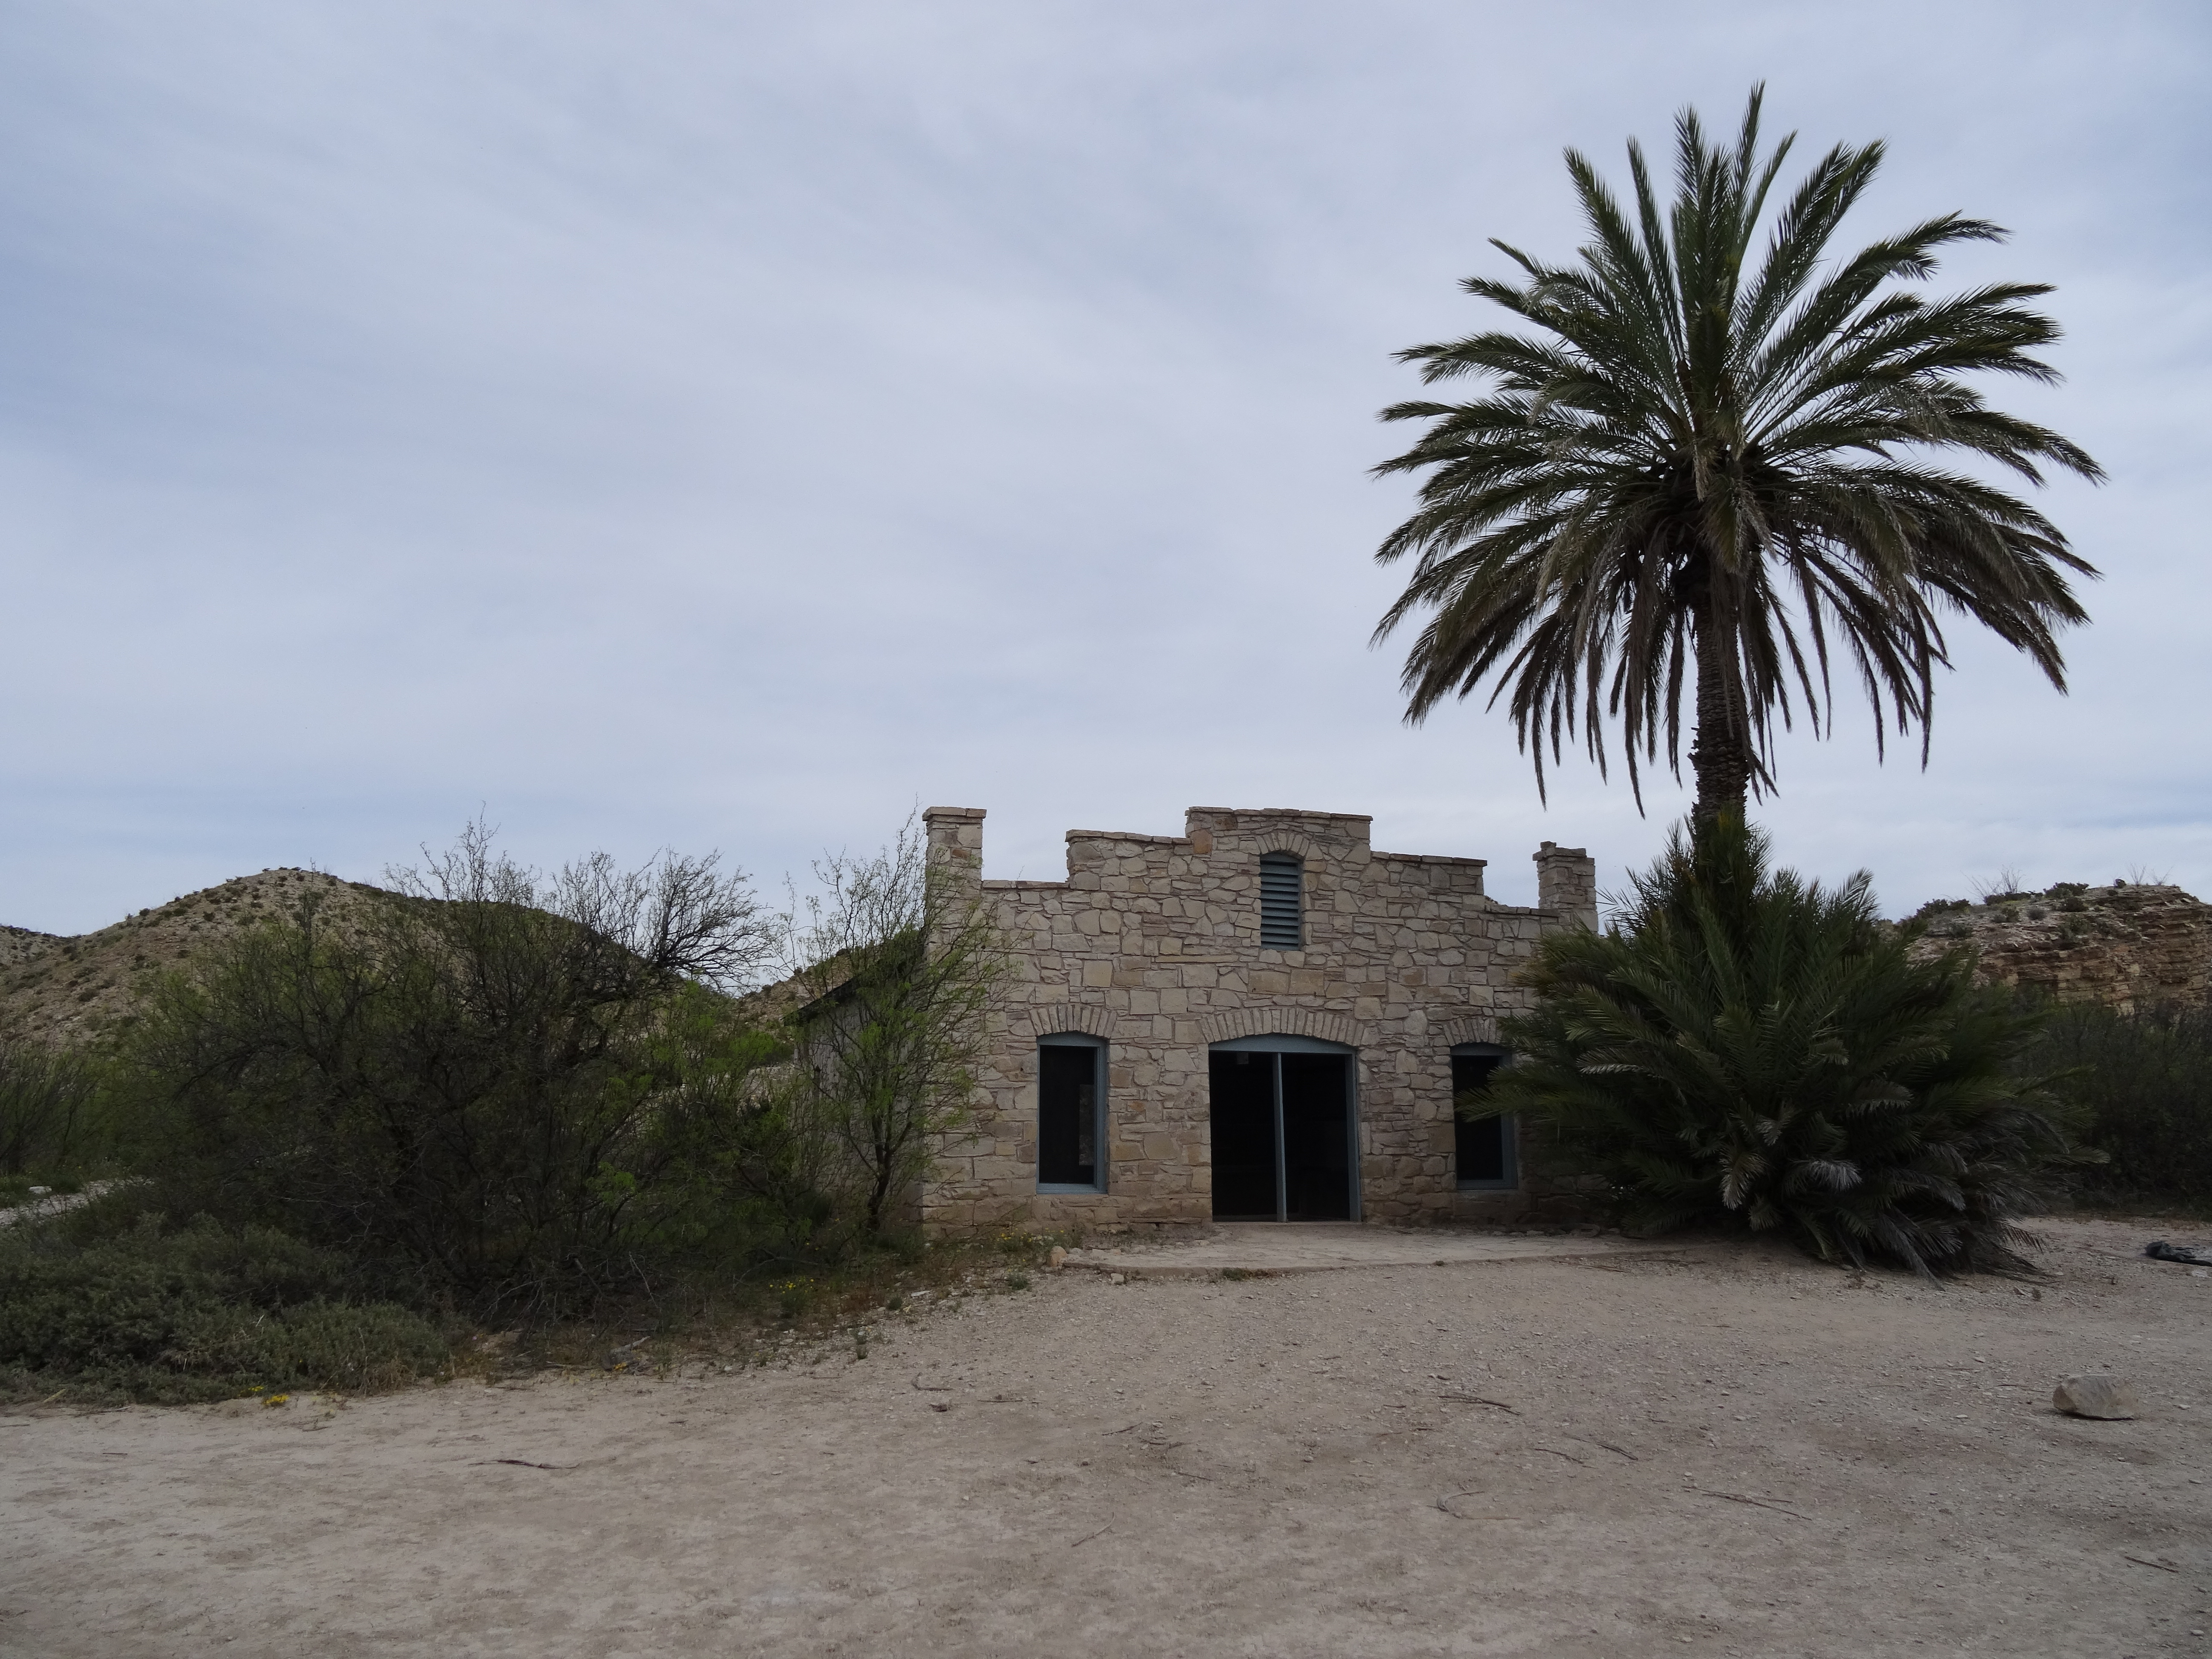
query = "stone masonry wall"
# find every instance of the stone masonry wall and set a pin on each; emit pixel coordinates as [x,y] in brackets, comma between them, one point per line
[1153,942]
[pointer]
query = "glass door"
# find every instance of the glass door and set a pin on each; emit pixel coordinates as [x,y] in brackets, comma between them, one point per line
[1284,1133]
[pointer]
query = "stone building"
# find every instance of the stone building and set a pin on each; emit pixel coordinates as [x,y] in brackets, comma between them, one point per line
[1261,1017]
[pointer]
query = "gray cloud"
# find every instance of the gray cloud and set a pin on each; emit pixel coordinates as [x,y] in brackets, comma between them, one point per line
[732,425]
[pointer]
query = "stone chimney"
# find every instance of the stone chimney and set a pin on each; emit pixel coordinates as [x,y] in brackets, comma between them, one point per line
[1566,881]
[955,849]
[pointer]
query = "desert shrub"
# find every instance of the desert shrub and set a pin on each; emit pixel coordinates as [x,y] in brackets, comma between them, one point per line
[492,1091]
[1747,1049]
[202,1312]
[47,1110]
[1935,908]
[893,968]
[2142,1085]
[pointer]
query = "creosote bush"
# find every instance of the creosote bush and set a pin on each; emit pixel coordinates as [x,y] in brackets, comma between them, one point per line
[496,1096]
[2142,1086]
[491,1091]
[169,1314]
[1745,1049]
[49,1123]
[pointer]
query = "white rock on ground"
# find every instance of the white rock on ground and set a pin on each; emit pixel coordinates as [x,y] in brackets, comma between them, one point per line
[2094,1395]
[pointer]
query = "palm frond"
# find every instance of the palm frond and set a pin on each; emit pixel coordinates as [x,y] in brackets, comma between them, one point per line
[1701,463]
[1753,1050]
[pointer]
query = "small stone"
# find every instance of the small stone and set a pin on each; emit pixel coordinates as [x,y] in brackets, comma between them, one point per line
[1057,1259]
[2200,1272]
[2093,1395]
[1120,1278]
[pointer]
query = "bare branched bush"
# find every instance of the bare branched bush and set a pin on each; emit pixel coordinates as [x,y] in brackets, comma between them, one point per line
[894,969]
[675,917]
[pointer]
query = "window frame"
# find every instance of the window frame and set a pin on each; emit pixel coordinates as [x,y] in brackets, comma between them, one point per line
[1098,1047]
[1509,1135]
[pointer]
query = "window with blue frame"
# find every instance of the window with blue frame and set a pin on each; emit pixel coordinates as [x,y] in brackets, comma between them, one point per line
[1484,1146]
[1071,1114]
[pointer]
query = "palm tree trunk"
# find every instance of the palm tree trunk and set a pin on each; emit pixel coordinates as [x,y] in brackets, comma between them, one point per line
[1720,746]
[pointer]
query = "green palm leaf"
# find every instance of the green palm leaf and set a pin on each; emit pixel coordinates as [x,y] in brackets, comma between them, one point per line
[1710,464]
[1747,1049]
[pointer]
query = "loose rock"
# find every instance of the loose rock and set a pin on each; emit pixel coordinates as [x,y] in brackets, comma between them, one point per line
[1057,1259]
[2199,1255]
[2106,1397]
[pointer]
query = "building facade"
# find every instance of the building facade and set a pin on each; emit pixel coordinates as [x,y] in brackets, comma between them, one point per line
[1261,1017]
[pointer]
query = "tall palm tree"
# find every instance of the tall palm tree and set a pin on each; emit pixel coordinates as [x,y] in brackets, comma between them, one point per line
[1703,468]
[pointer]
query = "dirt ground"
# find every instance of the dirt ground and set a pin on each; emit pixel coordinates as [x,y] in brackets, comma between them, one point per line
[1720,1451]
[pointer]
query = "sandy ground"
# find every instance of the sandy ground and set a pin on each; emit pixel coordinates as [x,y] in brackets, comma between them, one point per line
[1291,1247]
[1719,1451]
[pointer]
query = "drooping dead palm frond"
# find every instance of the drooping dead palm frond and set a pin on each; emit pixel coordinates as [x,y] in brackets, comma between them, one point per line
[1712,469]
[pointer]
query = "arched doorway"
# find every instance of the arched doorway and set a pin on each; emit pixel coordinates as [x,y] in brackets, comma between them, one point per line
[1285,1129]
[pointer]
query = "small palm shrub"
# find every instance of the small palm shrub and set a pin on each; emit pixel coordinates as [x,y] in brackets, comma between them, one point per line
[1749,1049]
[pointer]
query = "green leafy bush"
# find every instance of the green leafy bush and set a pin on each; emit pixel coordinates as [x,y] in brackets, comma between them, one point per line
[203,1312]
[2142,1085]
[505,1096]
[896,967]
[496,1091]
[1747,1049]
[1935,908]
[48,1123]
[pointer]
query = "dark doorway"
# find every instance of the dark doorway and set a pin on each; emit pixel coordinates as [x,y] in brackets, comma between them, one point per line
[1317,1137]
[1244,1136]
[1282,1135]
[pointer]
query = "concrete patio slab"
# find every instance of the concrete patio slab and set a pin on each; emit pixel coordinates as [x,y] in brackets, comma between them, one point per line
[1308,1247]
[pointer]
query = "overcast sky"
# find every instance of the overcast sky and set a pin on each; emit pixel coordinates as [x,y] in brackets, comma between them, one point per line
[721,426]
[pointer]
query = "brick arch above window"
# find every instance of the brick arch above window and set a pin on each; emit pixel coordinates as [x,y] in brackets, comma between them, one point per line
[1322,1023]
[1468,1028]
[1088,1017]
[1287,841]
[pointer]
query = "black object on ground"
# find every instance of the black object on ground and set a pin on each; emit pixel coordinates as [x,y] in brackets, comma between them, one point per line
[2197,1256]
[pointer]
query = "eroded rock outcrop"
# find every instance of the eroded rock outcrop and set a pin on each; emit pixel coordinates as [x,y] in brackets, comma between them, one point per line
[2127,945]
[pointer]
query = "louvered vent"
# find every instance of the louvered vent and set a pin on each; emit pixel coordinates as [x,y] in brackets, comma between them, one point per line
[1282,902]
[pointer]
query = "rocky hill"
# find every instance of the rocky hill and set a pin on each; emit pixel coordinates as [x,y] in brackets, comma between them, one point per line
[59,989]
[2126,946]
[19,944]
